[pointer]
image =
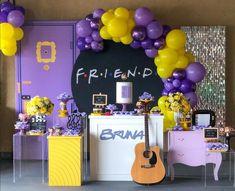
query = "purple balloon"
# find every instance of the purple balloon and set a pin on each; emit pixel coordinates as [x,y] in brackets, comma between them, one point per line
[16,18]
[3,17]
[87,46]
[168,86]
[179,74]
[139,33]
[7,6]
[81,43]
[154,30]
[174,91]
[96,46]
[164,80]
[135,44]
[83,28]
[147,43]
[159,43]
[176,83]
[151,53]
[88,39]
[95,23]
[165,92]
[96,36]
[89,17]
[195,72]
[166,30]
[98,13]
[143,16]
[192,98]
[186,86]
[171,79]
[21,9]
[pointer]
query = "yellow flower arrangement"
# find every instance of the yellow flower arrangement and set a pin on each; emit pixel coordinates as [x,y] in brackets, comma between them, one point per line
[177,102]
[39,105]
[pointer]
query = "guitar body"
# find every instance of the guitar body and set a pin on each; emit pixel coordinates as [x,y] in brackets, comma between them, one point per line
[147,167]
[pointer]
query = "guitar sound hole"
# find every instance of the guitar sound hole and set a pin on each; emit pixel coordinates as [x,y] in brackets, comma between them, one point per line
[147,154]
[151,156]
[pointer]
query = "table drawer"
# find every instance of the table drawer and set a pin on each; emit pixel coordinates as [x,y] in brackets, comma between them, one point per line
[190,140]
[191,158]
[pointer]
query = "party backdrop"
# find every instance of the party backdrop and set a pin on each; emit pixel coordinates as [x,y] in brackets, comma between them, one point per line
[207,43]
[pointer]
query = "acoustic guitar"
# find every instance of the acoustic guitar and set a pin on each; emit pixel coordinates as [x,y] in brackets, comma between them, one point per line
[147,167]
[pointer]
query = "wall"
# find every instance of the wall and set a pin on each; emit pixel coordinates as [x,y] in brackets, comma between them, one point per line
[172,12]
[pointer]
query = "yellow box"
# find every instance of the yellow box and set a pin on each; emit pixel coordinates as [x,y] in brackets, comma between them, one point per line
[65,154]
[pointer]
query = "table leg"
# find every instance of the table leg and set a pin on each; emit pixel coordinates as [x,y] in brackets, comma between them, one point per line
[217,166]
[172,172]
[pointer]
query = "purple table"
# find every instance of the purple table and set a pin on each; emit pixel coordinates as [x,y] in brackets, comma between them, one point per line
[189,148]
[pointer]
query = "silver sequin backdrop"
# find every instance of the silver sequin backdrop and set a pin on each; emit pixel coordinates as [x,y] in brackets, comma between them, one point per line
[207,43]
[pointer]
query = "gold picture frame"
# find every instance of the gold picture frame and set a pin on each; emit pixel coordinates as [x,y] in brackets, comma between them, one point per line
[99,99]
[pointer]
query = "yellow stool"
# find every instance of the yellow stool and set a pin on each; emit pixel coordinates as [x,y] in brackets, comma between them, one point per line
[65,154]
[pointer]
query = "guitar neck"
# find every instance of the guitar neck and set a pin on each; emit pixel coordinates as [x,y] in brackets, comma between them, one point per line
[146,132]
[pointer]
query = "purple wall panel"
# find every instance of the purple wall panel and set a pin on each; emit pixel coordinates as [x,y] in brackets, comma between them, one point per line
[44,66]
[45,61]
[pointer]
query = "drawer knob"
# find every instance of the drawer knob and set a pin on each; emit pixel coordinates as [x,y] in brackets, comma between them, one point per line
[180,155]
[181,139]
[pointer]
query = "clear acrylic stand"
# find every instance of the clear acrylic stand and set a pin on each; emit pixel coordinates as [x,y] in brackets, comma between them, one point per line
[29,157]
[226,178]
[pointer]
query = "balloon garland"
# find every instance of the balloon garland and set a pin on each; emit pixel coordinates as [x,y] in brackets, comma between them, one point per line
[139,29]
[11,19]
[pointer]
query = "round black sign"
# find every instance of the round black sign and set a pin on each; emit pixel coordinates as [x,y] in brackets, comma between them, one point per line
[98,72]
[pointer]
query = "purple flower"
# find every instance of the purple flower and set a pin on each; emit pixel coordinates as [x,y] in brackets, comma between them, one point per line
[64,97]
[111,107]
[177,128]
[21,125]
[146,96]
[72,132]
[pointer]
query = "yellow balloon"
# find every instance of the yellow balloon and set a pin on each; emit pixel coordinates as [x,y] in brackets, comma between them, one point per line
[164,71]
[7,30]
[104,33]
[106,17]
[117,27]
[167,125]
[9,51]
[176,39]
[169,115]
[18,33]
[131,13]
[157,61]
[182,62]
[161,103]
[130,24]
[190,56]
[122,13]
[111,10]
[168,56]
[127,39]
[116,39]
[181,51]
[8,43]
